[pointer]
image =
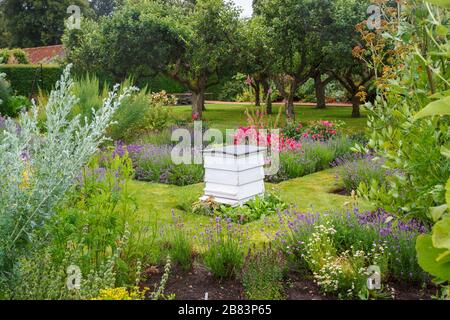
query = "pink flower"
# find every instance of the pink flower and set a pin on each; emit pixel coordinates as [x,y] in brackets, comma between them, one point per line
[195,116]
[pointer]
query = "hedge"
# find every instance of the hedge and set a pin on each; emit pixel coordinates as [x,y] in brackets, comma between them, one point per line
[22,76]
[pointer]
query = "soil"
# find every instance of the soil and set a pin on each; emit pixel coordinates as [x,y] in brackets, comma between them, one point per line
[340,191]
[194,284]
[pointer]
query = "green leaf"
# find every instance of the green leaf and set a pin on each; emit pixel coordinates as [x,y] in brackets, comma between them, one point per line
[445,152]
[439,107]
[441,234]
[427,256]
[441,3]
[441,30]
[437,212]
[447,192]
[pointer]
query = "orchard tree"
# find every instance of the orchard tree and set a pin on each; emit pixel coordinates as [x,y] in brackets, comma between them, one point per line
[104,7]
[209,29]
[38,22]
[297,37]
[258,59]
[139,39]
[351,71]
[193,42]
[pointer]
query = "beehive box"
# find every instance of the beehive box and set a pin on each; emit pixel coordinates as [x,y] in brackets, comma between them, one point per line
[234,174]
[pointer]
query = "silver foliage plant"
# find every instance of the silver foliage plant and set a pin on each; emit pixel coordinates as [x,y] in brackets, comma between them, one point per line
[37,169]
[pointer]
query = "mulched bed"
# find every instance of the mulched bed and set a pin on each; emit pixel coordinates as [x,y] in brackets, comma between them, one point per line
[194,284]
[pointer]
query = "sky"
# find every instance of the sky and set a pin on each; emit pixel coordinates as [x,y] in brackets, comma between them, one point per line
[246,6]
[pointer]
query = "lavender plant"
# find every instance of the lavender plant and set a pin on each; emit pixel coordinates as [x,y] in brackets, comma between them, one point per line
[37,169]
[345,234]
[360,169]
[225,244]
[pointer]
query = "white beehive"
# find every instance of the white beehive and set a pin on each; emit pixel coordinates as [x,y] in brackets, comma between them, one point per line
[234,174]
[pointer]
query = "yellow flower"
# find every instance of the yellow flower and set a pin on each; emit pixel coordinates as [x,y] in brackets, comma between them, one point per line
[121,294]
[25,180]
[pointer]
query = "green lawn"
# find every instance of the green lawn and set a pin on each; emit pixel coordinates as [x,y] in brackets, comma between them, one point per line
[231,116]
[308,194]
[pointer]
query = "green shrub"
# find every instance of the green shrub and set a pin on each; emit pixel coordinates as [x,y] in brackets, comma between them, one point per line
[5,93]
[87,89]
[38,172]
[4,55]
[15,105]
[255,209]
[22,77]
[263,273]
[19,55]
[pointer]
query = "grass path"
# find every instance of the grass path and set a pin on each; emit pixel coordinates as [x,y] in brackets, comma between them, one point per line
[311,193]
[231,116]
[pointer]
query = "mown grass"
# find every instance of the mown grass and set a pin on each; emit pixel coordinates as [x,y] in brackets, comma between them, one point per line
[231,116]
[312,193]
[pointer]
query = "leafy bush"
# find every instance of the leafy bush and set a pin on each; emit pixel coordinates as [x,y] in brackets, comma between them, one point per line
[224,247]
[16,104]
[19,55]
[255,209]
[156,116]
[263,273]
[37,169]
[5,93]
[315,130]
[87,89]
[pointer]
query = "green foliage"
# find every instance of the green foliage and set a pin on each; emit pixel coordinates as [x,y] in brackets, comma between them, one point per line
[154,163]
[177,242]
[22,77]
[37,170]
[19,55]
[4,55]
[5,94]
[35,23]
[361,170]
[401,131]
[89,98]
[90,47]
[263,273]
[314,156]
[257,208]
[15,105]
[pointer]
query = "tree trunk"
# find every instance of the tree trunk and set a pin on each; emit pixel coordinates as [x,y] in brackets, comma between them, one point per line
[289,103]
[356,101]
[289,100]
[267,96]
[203,103]
[198,104]
[319,86]
[257,87]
